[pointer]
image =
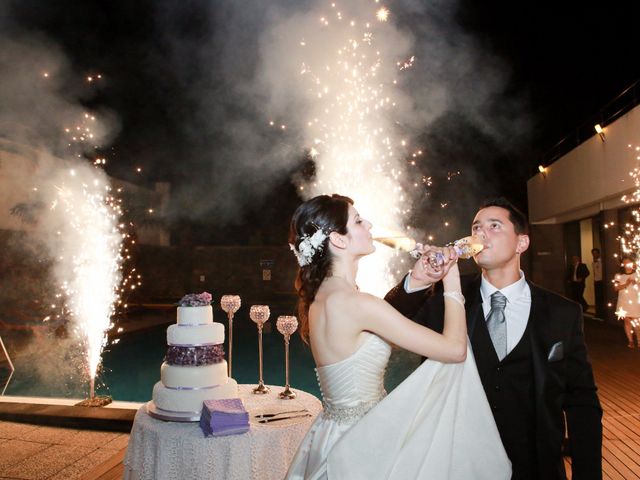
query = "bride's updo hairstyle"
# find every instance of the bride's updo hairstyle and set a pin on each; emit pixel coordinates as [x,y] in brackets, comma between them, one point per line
[326,213]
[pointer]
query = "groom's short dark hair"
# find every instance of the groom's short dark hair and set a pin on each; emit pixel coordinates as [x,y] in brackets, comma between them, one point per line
[519,219]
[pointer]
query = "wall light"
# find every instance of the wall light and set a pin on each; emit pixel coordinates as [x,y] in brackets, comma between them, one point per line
[542,170]
[599,131]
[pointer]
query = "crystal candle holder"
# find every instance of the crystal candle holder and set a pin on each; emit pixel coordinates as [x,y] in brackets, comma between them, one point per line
[230,304]
[260,314]
[286,326]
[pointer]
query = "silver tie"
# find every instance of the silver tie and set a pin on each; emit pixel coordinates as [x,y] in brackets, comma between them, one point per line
[497,325]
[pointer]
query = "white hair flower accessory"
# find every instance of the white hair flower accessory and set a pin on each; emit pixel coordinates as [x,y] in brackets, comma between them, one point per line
[308,247]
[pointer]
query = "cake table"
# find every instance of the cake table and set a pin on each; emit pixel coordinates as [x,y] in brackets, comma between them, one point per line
[160,450]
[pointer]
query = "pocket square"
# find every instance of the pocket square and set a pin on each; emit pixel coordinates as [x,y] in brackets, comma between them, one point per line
[556,353]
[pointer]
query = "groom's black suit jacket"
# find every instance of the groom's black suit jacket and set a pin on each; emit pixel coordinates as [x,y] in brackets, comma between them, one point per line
[562,375]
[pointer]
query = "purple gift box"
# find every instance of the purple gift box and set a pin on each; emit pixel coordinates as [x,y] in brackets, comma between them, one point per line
[224,417]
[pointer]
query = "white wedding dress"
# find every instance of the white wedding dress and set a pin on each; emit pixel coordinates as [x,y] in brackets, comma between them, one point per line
[435,425]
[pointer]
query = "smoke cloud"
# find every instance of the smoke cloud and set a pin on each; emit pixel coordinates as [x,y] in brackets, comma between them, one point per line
[72,242]
[241,69]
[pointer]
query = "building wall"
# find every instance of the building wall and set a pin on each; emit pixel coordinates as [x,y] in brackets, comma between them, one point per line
[590,178]
[257,274]
[577,204]
[547,257]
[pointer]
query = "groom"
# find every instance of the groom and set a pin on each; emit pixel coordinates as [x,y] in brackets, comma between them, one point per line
[529,346]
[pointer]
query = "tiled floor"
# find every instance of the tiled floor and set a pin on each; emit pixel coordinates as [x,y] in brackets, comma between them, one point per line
[31,452]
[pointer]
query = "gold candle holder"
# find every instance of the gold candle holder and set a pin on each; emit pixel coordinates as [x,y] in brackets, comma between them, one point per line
[286,326]
[230,304]
[260,314]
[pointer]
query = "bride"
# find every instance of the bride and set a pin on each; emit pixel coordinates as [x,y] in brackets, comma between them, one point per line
[437,423]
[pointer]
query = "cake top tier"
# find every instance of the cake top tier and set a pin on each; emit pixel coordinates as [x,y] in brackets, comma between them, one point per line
[195,315]
[195,309]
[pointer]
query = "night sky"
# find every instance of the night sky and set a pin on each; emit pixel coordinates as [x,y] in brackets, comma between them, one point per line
[168,77]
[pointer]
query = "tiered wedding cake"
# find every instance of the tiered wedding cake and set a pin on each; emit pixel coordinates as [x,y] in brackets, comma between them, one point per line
[194,367]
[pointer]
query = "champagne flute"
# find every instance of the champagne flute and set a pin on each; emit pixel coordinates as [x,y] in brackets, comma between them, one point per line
[465,247]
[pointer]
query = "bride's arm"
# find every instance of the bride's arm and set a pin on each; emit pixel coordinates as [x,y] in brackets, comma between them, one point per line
[377,316]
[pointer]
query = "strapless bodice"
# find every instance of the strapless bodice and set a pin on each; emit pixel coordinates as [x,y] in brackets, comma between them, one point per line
[357,382]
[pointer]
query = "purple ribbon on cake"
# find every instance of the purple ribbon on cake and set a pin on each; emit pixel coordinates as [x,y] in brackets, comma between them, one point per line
[194,356]
[209,387]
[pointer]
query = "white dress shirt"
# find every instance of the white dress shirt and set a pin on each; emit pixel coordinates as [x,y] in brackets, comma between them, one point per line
[517,309]
[597,270]
[408,289]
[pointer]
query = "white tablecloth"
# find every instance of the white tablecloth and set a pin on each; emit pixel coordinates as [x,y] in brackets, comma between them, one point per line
[161,450]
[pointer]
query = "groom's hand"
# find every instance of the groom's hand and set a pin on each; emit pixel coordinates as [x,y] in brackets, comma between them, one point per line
[426,273]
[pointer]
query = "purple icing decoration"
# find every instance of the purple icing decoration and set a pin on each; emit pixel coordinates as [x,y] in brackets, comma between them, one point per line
[194,356]
[195,300]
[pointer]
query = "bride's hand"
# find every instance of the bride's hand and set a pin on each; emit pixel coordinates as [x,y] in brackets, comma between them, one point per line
[427,272]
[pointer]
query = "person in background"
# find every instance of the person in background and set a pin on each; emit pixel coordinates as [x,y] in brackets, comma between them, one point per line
[628,308]
[598,285]
[576,276]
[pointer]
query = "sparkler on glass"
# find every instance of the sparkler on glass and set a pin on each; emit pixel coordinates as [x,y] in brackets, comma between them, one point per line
[230,304]
[465,247]
[260,314]
[286,326]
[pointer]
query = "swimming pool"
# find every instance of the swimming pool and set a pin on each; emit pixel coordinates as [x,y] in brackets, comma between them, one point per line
[132,366]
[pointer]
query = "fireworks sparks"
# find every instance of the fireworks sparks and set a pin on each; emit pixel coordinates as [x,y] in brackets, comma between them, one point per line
[630,236]
[83,132]
[407,63]
[88,247]
[91,243]
[346,66]
[621,313]
[382,14]
[351,93]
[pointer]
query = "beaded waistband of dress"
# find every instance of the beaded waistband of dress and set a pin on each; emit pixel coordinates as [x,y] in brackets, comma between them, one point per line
[349,414]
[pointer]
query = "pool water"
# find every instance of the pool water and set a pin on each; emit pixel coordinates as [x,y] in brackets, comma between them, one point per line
[132,366]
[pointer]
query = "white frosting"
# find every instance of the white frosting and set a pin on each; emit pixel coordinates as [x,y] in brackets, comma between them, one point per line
[195,315]
[195,327]
[191,400]
[195,334]
[177,376]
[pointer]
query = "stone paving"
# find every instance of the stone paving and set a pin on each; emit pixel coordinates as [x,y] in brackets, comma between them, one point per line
[32,452]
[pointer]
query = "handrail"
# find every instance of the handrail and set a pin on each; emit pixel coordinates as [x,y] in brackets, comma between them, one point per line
[585,130]
[13,369]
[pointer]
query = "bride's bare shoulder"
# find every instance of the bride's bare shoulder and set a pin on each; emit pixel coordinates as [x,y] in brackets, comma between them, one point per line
[349,302]
[340,296]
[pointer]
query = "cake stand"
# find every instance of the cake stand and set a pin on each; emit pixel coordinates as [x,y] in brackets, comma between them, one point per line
[170,416]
